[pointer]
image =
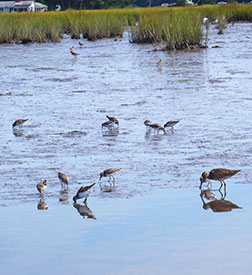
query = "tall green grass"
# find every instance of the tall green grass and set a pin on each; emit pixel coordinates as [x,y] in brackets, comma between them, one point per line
[177,27]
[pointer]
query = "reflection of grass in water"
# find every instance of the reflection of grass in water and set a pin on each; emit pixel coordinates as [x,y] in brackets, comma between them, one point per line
[176,27]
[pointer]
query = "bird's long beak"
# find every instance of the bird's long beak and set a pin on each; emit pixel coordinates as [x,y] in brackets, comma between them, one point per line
[100,178]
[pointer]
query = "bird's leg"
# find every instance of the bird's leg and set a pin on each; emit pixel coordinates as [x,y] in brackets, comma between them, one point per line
[209,183]
[85,201]
[113,179]
[221,185]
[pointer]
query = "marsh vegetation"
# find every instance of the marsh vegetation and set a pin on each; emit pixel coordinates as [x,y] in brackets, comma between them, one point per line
[177,28]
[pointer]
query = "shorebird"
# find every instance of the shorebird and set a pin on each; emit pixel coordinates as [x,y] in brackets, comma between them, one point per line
[171,123]
[218,174]
[19,122]
[110,123]
[71,48]
[83,192]
[109,173]
[63,179]
[114,119]
[81,44]
[159,63]
[73,53]
[157,127]
[41,186]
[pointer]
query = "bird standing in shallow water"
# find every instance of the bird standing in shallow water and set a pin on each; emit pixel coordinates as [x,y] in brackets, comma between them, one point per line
[109,173]
[83,192]
[159,63]
[19,122]
[112,121]
[41,186]
[171,123]
[157,127]
[73,53]
[218,174]
[63,179]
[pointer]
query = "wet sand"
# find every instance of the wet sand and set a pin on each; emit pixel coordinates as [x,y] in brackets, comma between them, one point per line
[153,222]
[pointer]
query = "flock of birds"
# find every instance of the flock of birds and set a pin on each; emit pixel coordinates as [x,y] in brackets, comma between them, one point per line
[218,174]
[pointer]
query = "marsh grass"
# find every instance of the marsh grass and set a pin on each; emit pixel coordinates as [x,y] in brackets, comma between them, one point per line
[175,27]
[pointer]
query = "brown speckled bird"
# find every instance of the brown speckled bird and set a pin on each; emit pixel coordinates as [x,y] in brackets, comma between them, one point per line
[73,53]
[218,174]
[19,122]
[63,179]
[157,127]
[83,192]
[41,186]
[109,173]
[171,123]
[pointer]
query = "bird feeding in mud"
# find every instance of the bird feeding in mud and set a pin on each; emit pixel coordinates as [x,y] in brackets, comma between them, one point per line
[83,192]
[218,174]
[110,124]
[73,53]
[109,173]
[19,123]
[171,123]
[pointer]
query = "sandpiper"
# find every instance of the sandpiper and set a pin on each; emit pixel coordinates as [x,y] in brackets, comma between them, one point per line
[73,53]
[110,123]
[157,127]
[171,123]
[109,173]
[83,192]
[41,186]
[63,179]
[218,174]
[81,44]
[159,63]
[19,122]
[114,119]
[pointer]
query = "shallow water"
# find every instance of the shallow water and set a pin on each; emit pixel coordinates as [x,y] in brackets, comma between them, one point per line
[153,221]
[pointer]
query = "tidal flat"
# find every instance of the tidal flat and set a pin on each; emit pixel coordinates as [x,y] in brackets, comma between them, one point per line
[153,222]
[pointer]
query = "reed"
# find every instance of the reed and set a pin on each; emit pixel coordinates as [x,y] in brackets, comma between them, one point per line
[176,27]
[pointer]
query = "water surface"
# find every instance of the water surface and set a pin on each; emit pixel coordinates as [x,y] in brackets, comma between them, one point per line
[153,221]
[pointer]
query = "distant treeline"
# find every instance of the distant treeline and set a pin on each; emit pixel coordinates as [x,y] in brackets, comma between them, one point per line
[86,4]
[108,4]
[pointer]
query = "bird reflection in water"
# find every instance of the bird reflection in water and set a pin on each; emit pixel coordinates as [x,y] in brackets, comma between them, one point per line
[84,211]
[18,132]
[42,205]
[217,205]
[110,132]
[107,188]
[63,196]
